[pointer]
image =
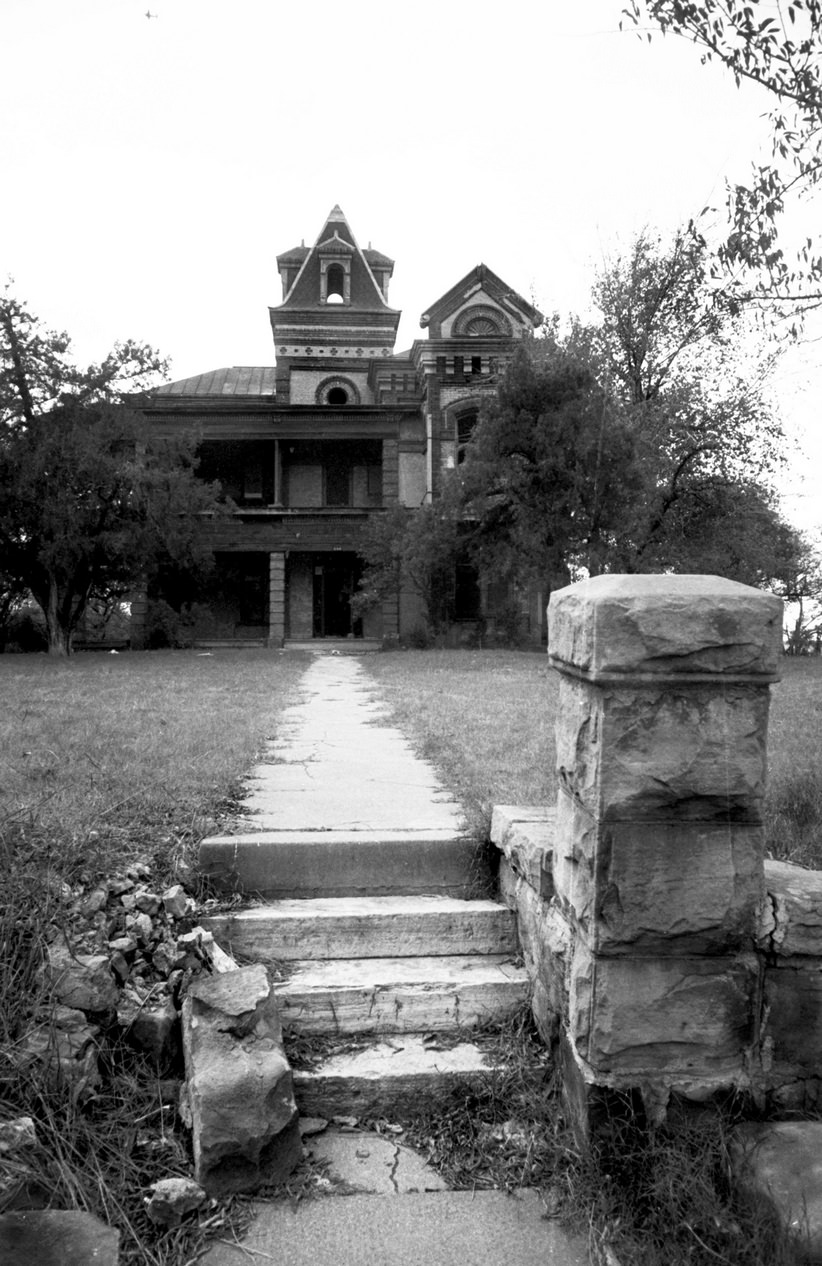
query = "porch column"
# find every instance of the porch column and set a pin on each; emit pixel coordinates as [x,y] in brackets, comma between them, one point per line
[276,598]
[278,474]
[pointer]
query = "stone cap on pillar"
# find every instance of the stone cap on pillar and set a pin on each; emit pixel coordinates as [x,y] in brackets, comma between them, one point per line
[645,627]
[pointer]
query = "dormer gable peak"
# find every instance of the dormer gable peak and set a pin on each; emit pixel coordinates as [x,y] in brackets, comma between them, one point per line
[335,245]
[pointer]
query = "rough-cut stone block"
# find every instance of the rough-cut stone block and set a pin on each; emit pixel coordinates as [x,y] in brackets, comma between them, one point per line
[658,887]
[240,1096]
[792,922]
[57,1237]
[782,1161]
[665,625]
[151,1026]
[81,981]
[546,941]
[792,1001]
[685,752]
[525,836]
[677,1016]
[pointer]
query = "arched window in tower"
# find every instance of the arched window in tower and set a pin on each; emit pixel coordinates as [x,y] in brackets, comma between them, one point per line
[335,284]
[465,429]
[337,395]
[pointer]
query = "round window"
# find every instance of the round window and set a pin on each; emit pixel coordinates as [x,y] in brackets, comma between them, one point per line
[337,395]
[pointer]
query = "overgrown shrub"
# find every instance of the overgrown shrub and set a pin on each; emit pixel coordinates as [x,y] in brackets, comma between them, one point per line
[167,628]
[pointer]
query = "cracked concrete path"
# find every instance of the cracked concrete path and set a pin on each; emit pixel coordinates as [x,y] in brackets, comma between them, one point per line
[372,1163]
[335,764]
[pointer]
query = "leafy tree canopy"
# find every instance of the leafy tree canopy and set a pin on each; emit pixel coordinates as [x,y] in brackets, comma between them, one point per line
[777,46]
[88,500]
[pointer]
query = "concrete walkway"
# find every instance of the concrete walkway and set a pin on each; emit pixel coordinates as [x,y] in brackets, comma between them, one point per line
[340,771]
[340,767]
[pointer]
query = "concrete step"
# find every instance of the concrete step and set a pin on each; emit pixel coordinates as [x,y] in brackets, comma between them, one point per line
[365,927]
[379,1077]
[342,863]
[401,995]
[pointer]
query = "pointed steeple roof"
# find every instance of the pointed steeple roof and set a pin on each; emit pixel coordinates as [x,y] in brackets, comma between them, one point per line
[335,239]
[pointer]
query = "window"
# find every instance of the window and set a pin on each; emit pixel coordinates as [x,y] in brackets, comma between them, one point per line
[337,484]
[374,485]
[252,482]
[337,391]
[466,423]
[335,284]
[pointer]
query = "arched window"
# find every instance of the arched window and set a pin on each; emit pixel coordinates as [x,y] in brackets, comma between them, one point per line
[337,391]
[335,284]
[465,428]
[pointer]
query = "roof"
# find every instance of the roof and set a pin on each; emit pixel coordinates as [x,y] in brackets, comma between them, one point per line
[238,380]
[376,258]
[480,278]
[335,237]
[295,256]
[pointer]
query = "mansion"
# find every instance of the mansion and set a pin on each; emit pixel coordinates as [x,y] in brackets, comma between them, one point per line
[341,427]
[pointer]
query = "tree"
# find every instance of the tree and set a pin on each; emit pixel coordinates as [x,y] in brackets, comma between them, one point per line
[415,549]
[644,441]
[547,472]
[88,500]
[781,51]
[692,378]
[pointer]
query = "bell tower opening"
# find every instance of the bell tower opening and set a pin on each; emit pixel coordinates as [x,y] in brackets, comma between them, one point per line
[335,284]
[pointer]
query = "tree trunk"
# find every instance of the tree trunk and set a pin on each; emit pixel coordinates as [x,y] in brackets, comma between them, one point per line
[59,637]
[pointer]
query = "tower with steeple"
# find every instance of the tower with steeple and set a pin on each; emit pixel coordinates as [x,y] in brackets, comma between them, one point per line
[334,320]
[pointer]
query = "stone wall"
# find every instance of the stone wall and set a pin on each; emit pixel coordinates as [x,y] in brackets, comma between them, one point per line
[662,961]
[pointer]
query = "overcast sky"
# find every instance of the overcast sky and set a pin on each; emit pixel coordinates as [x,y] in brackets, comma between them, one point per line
[155,167]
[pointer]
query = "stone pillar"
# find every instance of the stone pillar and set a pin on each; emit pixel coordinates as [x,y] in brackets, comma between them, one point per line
[658,843]
[276,598]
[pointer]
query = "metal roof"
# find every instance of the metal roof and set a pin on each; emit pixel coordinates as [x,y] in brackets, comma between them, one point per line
[237,380]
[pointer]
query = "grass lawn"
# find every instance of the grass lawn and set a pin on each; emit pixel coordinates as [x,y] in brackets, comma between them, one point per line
[486,720]
[131,754]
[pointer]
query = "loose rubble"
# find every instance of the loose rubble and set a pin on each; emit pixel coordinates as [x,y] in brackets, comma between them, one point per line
[119,964]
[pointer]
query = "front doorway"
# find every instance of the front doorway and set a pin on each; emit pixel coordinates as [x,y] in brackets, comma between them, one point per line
[335,579]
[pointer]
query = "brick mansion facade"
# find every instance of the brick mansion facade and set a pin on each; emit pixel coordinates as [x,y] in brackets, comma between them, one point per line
[339,428]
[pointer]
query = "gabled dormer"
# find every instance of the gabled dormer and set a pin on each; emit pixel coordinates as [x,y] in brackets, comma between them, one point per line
[334,316]
[481,305]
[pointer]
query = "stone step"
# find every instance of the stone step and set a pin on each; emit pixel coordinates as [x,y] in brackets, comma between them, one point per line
[365,927]
[342,863]
[401,995]
[382,1076]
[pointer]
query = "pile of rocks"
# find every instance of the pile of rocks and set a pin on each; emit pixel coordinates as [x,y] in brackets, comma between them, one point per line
[120,961]
[128,962]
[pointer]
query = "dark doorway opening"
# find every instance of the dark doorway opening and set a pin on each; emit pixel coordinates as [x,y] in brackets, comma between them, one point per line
[335,582]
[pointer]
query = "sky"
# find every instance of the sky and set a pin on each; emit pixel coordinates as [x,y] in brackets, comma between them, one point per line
[156,166]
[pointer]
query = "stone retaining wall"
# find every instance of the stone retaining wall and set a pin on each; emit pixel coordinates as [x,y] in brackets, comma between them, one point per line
[666,956]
